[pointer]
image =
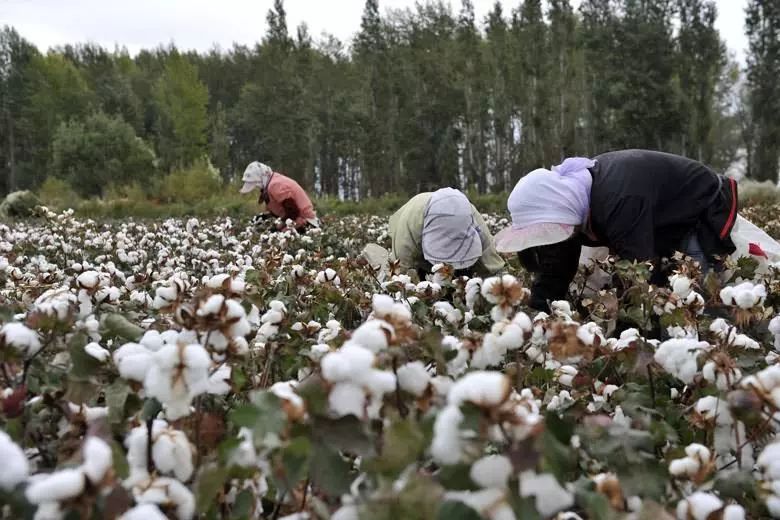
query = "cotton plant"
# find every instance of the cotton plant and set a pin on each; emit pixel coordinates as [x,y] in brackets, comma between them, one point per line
[505,293]
[746,299]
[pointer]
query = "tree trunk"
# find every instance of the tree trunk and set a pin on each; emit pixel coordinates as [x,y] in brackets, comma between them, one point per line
[11,155]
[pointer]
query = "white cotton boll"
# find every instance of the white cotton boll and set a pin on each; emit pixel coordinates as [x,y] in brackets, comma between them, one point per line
[219,381]
[678,357]
[88,279]
[492,471]
[382,304]
[681,285]
[378,382]
[373,335]
[559,401]
[459,363]
[698,506]
[711,407]
[446,446]
[490,353]
[413,378]
[286,390]
[55,487]
[561,308]
[133,361]
[550,497]
[21,338]
[565,375]
[97,352]
[168,491]
[98,459]
[619,418]
[481,388]
[589,333]
[153,340]
[774,328]
[16,468]
[212,305]
[316,352]
[349,361]
[441,385]
[698,451]
[347,398]
[684,467]
[733,512]
[328,276]
[773,505]
[172,454]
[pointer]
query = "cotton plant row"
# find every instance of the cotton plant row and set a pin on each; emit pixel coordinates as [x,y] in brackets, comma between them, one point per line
[192,367]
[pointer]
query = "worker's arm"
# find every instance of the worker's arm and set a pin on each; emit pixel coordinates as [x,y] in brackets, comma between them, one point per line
[491,261]
[554,268]
[292,212]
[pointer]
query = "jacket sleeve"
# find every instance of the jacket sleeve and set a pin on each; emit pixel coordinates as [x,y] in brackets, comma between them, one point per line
[292,212]
[404,249]
[491,260]
[630,230]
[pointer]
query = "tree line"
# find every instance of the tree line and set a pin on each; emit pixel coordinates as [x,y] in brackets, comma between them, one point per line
[422,98]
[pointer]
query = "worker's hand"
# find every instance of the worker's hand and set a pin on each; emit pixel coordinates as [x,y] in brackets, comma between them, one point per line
[260,218]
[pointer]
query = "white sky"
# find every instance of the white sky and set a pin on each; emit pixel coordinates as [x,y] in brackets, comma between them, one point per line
[199,24]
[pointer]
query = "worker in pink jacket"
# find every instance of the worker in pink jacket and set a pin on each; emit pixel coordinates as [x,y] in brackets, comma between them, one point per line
[283,197]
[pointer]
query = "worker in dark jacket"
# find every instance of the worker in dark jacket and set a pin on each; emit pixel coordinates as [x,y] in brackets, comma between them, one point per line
[642,205]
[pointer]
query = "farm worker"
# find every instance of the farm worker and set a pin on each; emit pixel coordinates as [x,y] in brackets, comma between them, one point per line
[442,227]
[642,205]
[283,197]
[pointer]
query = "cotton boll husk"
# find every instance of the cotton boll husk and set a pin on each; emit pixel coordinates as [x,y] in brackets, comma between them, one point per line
[492,471]
[57,486]
[15,464]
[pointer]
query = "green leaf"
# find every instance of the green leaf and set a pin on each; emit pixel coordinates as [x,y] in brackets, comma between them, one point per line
[456,477]
[295,459]
[210,481]
[558,457]
[242,508]
[116,325]
[79,391]
[151,409]
[329,471]
[116,398]
[121,466]
[451,510]
[403,443]
[83,366]
[347,434]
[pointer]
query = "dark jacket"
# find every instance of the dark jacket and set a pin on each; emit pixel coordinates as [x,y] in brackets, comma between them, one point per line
[643,205]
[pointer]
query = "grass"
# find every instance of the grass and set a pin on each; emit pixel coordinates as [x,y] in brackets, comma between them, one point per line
[213,201]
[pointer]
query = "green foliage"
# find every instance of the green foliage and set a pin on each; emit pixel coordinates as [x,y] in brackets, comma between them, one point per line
[19,204]
[198,182]
[181,100]
[93,154]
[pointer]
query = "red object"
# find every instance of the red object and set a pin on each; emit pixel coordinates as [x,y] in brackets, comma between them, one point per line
[733,213]
[13,405]
[755,250]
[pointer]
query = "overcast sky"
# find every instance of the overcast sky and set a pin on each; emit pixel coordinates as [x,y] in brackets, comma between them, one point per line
[199,24]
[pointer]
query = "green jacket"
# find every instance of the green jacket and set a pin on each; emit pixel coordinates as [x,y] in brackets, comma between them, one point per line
[406,234]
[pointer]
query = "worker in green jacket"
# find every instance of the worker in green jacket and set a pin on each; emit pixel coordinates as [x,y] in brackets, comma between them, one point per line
[443,227]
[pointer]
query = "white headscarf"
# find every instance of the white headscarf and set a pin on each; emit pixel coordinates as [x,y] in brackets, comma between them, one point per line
[560,196]
[449,233]
[256,175]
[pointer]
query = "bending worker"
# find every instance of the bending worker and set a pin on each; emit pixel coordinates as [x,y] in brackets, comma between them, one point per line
[283,197]
[642,205]
[443,227]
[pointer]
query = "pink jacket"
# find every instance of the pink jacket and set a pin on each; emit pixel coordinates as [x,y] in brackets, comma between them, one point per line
[281,188]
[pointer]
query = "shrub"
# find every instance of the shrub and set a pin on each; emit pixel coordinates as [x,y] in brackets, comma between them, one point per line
[19,204]
[58,194]
[191,185]
[100,151]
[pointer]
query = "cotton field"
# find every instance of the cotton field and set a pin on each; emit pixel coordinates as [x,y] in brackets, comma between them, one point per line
[216,369]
